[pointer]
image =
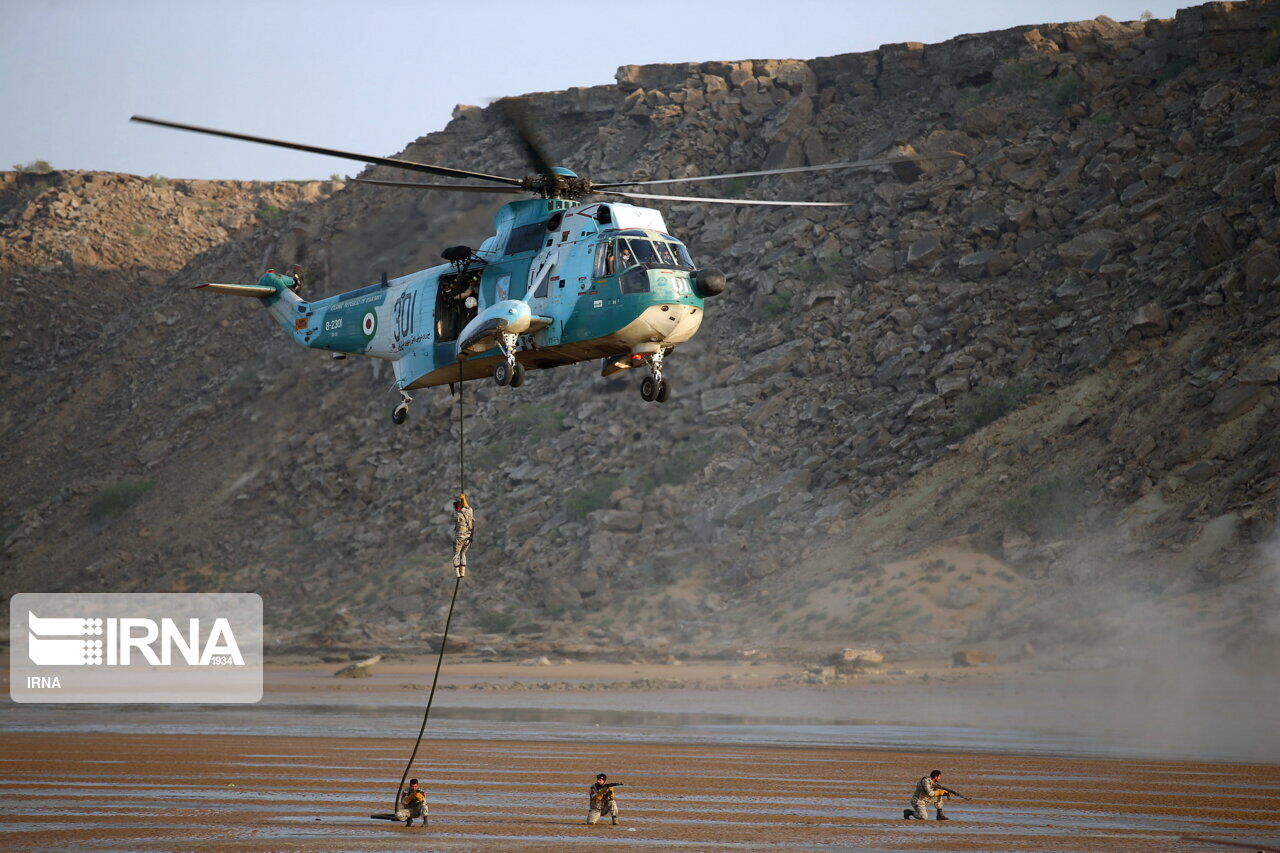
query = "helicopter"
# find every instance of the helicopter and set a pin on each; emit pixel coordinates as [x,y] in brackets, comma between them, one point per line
[563,279]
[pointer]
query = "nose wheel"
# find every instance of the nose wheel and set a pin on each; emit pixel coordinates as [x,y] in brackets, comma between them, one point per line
[401,412]
[655,387]
[509,371]
[509,374]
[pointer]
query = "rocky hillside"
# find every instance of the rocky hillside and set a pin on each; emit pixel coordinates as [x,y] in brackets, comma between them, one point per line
[1026,397]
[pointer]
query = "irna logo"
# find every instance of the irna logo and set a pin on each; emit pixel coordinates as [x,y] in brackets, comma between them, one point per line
[92,641]
[131,647]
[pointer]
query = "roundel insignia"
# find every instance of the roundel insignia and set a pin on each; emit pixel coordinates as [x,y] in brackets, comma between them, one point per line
[369,324]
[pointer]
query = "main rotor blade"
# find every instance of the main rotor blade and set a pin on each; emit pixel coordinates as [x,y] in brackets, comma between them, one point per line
[442,171]
[516,113]
[465,188]
[724,200]
[852,164]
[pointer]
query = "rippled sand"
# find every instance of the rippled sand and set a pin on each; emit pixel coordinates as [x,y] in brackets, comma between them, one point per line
[103,790]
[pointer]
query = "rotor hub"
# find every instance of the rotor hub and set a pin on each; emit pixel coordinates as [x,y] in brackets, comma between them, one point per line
[569,187]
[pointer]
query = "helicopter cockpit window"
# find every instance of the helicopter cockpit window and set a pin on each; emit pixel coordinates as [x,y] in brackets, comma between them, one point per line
[682,256]
[643,251]
[664,255]
[604,259]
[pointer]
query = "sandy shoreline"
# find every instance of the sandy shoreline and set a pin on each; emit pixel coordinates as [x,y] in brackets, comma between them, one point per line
[748,764]
[93,791]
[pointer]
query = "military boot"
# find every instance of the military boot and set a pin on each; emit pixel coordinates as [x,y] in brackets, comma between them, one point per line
[941,816]
[907,814]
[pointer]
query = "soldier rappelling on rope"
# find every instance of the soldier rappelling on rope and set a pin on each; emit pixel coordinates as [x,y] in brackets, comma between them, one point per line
[464,523]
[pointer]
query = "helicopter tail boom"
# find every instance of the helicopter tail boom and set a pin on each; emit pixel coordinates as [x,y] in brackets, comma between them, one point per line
[276,293]
[256,290]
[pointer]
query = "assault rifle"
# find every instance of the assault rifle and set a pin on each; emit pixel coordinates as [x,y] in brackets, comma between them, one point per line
[950,791]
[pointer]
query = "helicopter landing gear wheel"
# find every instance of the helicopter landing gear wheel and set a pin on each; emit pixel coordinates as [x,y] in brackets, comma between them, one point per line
[507,371]
[654,387]
[401,412]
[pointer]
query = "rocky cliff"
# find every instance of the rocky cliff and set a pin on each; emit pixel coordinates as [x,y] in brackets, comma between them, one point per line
[1029,395]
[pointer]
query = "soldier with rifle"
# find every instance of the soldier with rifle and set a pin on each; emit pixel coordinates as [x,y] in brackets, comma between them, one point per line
[929,792]
[602,800]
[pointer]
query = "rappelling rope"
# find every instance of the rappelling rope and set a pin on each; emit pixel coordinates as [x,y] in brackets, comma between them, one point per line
[444,638]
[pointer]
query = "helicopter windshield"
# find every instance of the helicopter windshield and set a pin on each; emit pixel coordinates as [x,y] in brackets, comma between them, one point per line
[655,253]
[641,251]
[664,254]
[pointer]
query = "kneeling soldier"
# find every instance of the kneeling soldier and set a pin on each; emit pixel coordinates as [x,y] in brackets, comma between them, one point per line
[414,802]
[929,792]
[602,800]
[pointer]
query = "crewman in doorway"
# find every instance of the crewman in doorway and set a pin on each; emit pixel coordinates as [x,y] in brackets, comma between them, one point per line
[929,792]
[602,800]
[464,523]
[414,802]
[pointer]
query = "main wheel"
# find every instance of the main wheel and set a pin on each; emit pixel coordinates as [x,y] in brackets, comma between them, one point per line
[664,391]
[399,414]
[648,389]
[517,377]
[502,373]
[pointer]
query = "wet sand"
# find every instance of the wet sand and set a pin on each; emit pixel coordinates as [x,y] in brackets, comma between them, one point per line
[113,790]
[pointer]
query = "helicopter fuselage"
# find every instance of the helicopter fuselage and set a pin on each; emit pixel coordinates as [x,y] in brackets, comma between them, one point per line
[567,282]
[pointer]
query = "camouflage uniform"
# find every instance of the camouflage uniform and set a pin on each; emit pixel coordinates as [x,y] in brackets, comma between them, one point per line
[464,522]
[602,800]
[926,795]
[413,804]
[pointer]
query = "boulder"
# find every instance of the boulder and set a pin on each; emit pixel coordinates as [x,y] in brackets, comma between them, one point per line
[1214,239]
[1234,401]
[971,657]
[616,520]
[878,264]
[1200,472]
[924,252]
[951,386]
[788,121]
[850,661]
[1081,248]
[1261,265]
[1149,320]
[772,361]
[984,120]
[974,264]
[1265,372]
[359,669]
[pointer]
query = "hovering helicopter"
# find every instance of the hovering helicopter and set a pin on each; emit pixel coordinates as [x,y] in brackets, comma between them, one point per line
[563,279]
